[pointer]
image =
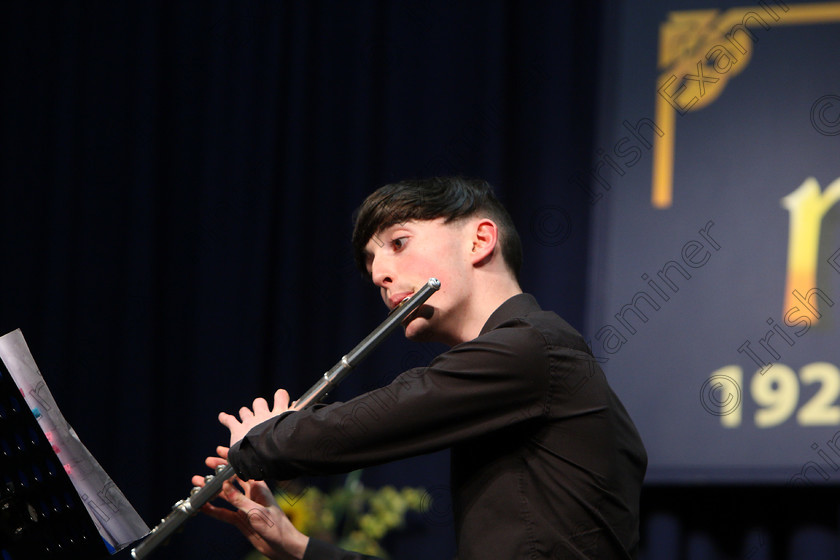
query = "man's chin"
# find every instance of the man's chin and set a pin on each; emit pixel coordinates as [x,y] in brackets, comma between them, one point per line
[416,335]
[417,328]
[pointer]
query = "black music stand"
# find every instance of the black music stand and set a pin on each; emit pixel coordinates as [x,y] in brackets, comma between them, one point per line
[41,514]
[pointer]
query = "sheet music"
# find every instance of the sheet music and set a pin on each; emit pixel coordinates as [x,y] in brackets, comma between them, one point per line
[117,521]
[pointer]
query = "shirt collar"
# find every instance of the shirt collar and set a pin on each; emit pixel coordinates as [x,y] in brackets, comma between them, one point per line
[516,306]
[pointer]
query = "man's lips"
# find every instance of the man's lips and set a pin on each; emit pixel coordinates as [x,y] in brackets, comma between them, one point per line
[398,298]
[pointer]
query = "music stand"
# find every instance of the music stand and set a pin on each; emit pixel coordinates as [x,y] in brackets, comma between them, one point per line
[41,515]
[51,487]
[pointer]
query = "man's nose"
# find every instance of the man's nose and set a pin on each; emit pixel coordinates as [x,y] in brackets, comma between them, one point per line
[380,272]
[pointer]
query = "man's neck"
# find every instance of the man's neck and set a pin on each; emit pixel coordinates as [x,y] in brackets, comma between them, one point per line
[490,297]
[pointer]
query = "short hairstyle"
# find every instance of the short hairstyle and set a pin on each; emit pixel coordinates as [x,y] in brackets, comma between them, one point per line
[451,198]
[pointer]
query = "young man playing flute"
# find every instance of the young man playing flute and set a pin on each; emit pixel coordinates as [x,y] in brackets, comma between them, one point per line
[545,461]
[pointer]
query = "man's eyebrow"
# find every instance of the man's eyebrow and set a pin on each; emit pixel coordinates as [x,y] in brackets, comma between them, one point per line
[383,232]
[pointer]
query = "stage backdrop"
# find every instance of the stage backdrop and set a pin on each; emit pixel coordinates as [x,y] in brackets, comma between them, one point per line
[176,188]
[715,267]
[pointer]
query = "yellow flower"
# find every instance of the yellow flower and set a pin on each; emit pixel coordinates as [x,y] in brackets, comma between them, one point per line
[353,516]
[299,513]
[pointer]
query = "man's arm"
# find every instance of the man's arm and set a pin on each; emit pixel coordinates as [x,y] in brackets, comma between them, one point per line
[320,550]
[474,389]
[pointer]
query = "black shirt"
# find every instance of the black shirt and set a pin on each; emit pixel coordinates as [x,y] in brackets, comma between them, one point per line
[545,461]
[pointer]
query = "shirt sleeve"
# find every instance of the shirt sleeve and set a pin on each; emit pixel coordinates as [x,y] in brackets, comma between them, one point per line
[474,388]
[320,550]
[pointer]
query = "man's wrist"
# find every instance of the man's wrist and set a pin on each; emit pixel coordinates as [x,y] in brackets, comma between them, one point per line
[297,546]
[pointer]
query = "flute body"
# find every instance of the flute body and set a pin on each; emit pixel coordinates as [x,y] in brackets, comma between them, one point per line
[186,508]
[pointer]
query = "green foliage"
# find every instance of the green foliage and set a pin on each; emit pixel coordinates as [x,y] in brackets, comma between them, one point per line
[352,516]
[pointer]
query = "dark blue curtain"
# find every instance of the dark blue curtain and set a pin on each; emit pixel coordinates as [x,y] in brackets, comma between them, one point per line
[177,182]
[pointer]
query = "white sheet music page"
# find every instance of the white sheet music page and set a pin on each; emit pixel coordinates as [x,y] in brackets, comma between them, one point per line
[115,518]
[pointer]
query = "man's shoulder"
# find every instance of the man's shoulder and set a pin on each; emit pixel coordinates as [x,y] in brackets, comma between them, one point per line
[552,328]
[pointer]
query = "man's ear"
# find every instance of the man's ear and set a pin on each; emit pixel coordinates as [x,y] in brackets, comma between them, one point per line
[484,240]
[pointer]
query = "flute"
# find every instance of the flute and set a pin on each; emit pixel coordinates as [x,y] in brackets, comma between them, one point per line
[186,508]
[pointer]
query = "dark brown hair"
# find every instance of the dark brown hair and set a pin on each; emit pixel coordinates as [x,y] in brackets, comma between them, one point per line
[451,198]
